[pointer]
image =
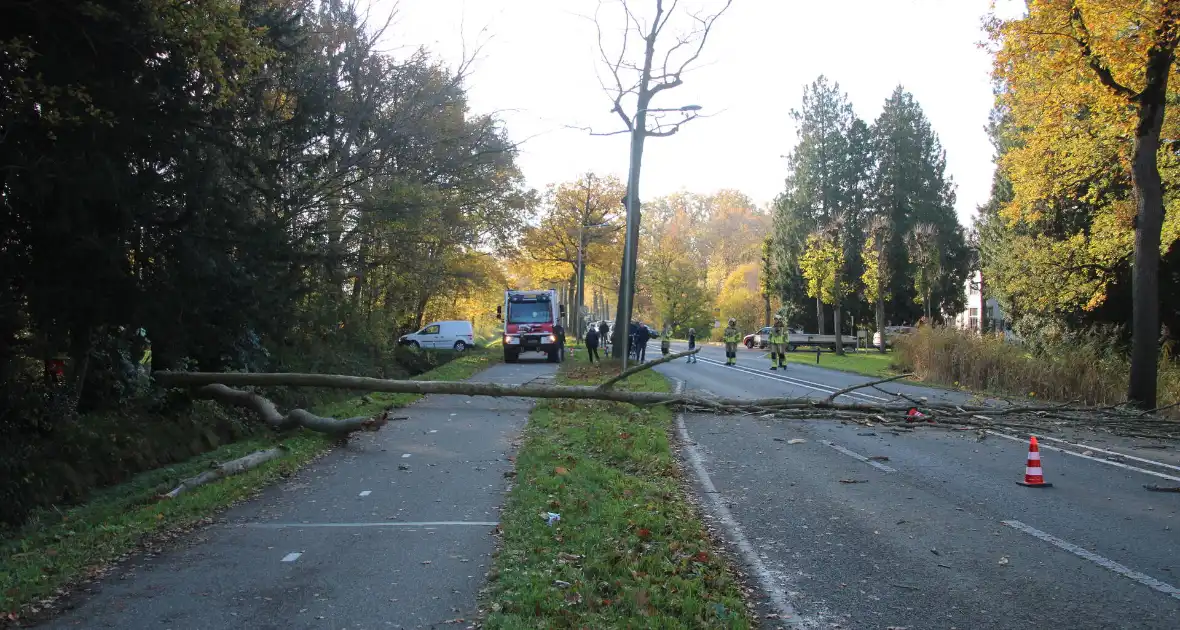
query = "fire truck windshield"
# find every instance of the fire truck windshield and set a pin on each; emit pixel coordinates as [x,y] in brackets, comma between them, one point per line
[529,313]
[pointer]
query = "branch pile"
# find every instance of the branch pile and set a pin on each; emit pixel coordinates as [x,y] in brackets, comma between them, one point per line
[1117,419]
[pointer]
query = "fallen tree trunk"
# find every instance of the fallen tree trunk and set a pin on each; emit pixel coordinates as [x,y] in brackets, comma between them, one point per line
[1012,416]
[265,409]
[220,471]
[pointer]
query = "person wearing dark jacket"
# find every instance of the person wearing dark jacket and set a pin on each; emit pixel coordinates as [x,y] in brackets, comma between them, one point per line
[592,345]
[642,336]
[559,332]
[692,344]
[604,336]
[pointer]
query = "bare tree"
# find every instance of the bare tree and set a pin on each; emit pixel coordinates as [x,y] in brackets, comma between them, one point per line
[652,57]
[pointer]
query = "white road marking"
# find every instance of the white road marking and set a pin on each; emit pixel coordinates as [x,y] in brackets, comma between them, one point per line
[778,597]
[1093,459]
[292,557]
[1102,450]
[1105,563]
[825,389]
[386,524]
[862,458]
[829,389]
[365,493]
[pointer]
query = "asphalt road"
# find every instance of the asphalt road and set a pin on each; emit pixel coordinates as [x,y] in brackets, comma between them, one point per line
[939,535]
[393,531]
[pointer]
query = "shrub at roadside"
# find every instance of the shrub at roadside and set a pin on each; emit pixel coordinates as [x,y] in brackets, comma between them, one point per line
[628,550]
[1085,368]
[51,455]
[58,546]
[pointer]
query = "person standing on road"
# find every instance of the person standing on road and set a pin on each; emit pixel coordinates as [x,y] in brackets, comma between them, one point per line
[778,344]
[559,332]
[731,337]
[666,341]
[642,336]
[692,344]
[592,345]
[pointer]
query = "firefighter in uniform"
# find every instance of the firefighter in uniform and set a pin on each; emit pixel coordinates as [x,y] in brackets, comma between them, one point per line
[731,336]
[778,344]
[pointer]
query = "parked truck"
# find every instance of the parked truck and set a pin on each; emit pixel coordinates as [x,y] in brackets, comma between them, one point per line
[529,318]
[798,339]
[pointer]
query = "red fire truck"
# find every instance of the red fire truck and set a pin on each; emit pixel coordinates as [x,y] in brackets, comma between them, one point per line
[529,318]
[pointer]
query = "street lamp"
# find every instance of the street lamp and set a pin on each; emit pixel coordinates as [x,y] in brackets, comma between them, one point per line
[631,244]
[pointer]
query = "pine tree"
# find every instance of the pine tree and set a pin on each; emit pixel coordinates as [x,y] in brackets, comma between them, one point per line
[910,187]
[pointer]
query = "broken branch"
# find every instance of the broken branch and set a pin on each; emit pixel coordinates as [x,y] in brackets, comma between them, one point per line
[266,410]
[234,467]
[645,366]
[840,392]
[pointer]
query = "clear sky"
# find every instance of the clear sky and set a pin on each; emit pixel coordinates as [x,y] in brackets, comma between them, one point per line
[538,66]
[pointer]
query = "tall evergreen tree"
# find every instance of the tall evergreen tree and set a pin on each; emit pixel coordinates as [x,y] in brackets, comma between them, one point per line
[818,192]
[910,187]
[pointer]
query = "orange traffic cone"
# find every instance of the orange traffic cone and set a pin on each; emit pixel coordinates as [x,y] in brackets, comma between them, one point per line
[1033,476]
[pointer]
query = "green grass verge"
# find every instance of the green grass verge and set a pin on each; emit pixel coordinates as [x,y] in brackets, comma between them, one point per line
[866,363]
[629,549]
[58,547]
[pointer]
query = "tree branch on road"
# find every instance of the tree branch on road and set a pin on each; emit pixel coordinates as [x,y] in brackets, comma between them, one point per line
[1041,418]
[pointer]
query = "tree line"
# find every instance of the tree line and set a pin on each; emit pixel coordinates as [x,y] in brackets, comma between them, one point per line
[866,230]
[699,254]
[248,185]
[1081,227]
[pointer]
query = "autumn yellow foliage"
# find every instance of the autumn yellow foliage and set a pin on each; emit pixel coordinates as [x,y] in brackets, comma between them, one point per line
[1071,143]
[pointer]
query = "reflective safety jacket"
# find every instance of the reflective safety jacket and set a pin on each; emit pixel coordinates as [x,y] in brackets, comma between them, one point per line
[731,335]
[778,335]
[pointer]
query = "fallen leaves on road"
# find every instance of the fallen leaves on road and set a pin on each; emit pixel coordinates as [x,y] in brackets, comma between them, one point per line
[878,458]
[1003,561]
[1154,488]
[796,441]
[854,481]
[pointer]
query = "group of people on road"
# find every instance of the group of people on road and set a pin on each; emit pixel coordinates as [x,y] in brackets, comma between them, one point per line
[640,336]
[777,342]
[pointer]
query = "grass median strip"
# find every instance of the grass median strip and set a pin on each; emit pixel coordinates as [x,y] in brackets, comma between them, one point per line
[869,363]
[59,547]
[628,550]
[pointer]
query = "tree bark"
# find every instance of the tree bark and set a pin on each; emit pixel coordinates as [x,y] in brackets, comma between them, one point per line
[220,471]
[881,323]
[982,304]
[819,315]
[215,388]
[1149,219]
[836,323]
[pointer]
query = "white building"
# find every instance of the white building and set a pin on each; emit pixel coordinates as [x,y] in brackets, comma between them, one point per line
[969,319]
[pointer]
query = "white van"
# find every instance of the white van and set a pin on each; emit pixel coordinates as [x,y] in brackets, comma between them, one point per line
[446,335]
